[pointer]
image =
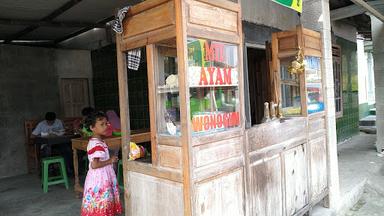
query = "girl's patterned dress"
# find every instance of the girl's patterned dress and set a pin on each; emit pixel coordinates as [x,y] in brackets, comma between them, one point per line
[101,191]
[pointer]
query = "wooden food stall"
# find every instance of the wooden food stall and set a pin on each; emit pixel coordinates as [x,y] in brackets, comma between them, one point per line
[286,159]
[204,161]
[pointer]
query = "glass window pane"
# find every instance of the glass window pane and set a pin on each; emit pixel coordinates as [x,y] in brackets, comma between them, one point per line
[291,100]
[314,86]
[213,82]
[290,90]
[168,106]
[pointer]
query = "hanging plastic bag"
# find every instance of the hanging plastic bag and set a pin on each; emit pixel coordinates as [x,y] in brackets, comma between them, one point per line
[136,151]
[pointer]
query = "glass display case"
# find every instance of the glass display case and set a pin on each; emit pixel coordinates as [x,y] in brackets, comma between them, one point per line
[167,89]
[194,89]
[214,86]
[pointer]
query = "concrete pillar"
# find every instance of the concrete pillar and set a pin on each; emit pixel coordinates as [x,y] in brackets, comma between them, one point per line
[378,58]
[333,165]
[316,16]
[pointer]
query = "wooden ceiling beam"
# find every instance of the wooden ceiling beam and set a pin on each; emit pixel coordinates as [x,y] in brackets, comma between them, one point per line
[353,10]
[370,9]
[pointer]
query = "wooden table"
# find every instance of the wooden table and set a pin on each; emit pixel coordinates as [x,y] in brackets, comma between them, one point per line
[112,142]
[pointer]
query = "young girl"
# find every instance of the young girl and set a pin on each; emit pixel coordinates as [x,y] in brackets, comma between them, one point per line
[101,193]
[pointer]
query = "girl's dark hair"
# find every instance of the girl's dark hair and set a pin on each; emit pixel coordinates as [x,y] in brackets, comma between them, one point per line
[92,118]
[86,111]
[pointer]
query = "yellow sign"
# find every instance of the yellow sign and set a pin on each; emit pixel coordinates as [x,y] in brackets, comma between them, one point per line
[296,5]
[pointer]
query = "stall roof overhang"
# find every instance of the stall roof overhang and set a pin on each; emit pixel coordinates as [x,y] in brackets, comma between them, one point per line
[375,7]
[56,23]
[50,23]
[356,13]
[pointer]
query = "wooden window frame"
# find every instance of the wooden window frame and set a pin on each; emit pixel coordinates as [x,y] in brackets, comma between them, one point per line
[336,58]
[299,82]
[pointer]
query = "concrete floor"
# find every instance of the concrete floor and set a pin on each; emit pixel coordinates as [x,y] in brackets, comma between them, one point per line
[361,182]
[361,171]
[370,204]
[22,195]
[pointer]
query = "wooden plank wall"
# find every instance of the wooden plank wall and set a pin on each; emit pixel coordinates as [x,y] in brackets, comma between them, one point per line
[318,158]
[148,23]
[296,179]
[311,40]
[154,196]
[272,153]
[220,195]
[215,19]
[287,170]
[213,159]
[265,189]
[169,157]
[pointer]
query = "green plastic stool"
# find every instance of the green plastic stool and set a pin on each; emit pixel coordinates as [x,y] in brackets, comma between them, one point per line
[62,178]
[120,174]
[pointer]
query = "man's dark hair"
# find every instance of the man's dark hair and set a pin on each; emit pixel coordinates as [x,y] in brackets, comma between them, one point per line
[50,116]
[86,111]
[92,118]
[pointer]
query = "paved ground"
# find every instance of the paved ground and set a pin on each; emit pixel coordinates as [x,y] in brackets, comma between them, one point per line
[23,195]
[361,173]
[370,204]
[359,164]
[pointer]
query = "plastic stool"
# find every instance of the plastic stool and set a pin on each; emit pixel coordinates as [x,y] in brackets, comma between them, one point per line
[62,178]
[120,179]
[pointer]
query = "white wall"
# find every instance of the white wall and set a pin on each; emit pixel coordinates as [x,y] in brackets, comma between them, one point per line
[362,71]
[370,78]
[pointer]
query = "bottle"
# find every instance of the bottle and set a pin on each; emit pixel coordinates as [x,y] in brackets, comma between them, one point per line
[266,117]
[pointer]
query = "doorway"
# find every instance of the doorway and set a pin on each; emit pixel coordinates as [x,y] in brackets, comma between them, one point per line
[259,82]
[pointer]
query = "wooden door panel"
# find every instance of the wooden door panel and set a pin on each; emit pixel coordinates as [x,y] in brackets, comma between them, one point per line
[296,179]
[265,187]
[74,95]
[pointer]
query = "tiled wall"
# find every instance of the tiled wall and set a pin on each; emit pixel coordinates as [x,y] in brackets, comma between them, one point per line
[106,89]
[348,124]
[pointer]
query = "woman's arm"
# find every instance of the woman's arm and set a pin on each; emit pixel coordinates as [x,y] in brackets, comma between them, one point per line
[97,163]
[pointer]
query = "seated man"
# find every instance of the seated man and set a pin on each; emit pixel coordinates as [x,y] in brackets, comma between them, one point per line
[48,126]
[52,125]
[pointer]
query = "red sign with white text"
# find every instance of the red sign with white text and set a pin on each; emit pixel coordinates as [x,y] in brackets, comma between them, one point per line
[215,121]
